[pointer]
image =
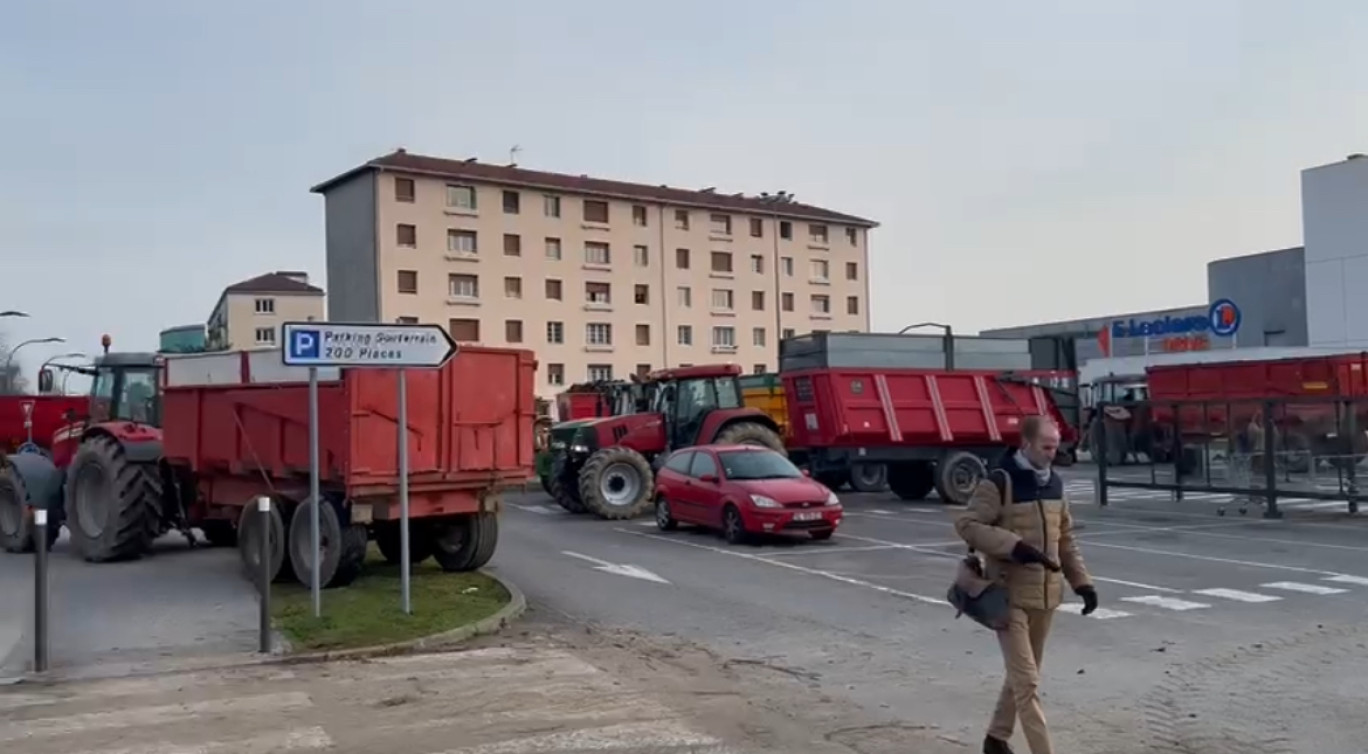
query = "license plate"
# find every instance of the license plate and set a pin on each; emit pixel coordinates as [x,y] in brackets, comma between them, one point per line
[807,516]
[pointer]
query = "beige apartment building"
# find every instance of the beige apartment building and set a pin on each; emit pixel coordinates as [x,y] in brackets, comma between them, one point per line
[249,314]
[600,278]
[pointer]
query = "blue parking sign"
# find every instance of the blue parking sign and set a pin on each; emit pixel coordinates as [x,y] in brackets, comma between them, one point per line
[304,345]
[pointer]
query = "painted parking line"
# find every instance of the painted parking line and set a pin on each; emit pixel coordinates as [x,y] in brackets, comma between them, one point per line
[1237,595]
[1343,579]
[1295,586]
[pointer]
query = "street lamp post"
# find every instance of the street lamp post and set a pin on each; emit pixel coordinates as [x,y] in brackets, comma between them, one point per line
[13,313]
[9,360]
[949,339]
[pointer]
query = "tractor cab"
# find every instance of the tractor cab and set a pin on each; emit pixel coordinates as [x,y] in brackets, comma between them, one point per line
[125,388]
[686,396]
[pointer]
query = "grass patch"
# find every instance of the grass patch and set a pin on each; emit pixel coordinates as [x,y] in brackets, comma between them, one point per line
[368,611]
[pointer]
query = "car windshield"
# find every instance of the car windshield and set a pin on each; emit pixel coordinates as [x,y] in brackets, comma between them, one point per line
[757,464]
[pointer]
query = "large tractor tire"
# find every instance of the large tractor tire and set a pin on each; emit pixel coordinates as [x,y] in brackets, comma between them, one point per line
[912,480]
[957,475]
[869,477]
[249,533]
[16,518]
[617,483]
[751,433]
[465,543]
[387,540]
[341,549]
[564,486]
[112,504]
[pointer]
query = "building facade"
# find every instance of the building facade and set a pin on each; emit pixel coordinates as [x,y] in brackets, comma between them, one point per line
[182,339]
[1335,230]
[600,278]
[249,314]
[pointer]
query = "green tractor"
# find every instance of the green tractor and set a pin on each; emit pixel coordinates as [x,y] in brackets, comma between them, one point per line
[581,403]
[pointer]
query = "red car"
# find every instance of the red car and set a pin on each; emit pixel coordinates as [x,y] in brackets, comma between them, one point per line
[743,490]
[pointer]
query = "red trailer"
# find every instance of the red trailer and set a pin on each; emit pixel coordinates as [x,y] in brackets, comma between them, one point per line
[933,429]
[48,416]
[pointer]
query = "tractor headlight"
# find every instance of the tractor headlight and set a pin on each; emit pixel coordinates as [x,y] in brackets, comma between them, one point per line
[764,502]
[578,448]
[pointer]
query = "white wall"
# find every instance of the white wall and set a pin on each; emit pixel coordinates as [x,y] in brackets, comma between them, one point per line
[1335,228]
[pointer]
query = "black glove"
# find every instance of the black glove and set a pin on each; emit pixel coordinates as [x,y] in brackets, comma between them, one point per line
[1024,553]
[1089,595]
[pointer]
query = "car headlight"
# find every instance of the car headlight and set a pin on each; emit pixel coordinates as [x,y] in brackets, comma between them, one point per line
[832,499]
[764,502]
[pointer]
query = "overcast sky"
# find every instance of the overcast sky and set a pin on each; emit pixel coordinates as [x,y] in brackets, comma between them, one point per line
[1027,161]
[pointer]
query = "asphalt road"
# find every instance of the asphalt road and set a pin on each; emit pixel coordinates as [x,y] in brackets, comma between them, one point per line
[1217,633]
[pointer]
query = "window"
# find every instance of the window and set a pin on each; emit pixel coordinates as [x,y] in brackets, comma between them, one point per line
[600,372]
[643,369]
[852,271]
[757,263]
[265,336]
[785,229]
[724,337]
[598,293]
[463,242]
[553,248]
[513,331]
[817,234]
[721,261]
[264,306]
[555,332]
[407,320]
[682,259]
[512,202]
[597,252]
[406,235]
[641,256]
[852,304]
[680,462]
[555,374]
[642,294]
[684,297]
[758,368]
[403,189]
[553,290]
[757,227]
[638,215]
[512,287]
[758,336]
[820,269]
[685,335]
[460,197]
[598,334]
[788,333]
[464,330]
[643,335]
[463,286]
[551,205]
[722,299]
[758,300]
[408,281]
[821,304]
[720,224]
[512,245]
[787,265]
[595,211]
[681,219]
[703,463]
[787,302]
[852,236]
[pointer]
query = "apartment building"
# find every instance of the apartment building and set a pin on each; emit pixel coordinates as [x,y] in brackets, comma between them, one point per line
[601,278]
[249,314]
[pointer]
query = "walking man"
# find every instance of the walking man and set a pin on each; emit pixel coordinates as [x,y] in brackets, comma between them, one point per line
[1018,518]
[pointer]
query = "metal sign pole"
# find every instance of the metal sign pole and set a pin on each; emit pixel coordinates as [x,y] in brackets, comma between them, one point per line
[28,420]
[264,514]
[40,601]
[314,494]
[404,562]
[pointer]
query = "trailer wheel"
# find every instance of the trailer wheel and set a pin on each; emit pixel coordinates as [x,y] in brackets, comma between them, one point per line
[16,525]
[617,483]
[912,480]
[957,476]
[833,480]
[869,477]
[249,543]
[338,561]
[565,486]
[112,504]
[420,542]
[465,543]
[751,433]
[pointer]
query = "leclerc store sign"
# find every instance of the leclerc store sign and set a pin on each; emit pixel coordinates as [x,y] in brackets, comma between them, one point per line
[1194,333]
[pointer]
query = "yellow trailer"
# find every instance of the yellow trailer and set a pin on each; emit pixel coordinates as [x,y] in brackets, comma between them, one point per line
[766,393]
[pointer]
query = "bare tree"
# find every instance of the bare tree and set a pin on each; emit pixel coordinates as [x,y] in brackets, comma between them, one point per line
[12,380]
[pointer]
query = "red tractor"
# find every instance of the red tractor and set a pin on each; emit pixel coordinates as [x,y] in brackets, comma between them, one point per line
[607,466]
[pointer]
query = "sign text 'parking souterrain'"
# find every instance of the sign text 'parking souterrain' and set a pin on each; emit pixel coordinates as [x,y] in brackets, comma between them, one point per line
[364,345]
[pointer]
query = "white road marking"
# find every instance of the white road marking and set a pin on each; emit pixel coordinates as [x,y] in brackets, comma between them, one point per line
[828,550]
[1168,603]
[300,739]
[1137,585]
[1237,595]
[1100,613]
[128,687]
[541,510]
[658,735]
[618,569]
[1210,559]
[148,716]
[880,512]
[1343,579]
[1294,586]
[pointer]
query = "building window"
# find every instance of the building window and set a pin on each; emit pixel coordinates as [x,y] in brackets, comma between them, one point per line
[757,227]
[555,332]
[408,281]
[758,301]
[720,224]
[643,335]
[463,242]
[757,263]
[407,320]
[853,236]
[553,290]
[597,252]
[641,256]
[555,374]
[264,306]
[463,286]
[821,304]
[512,287]
[512,202]
[786,264]
[685,335]
[598,293]
[721,261]
[638,215]
[681,219]
[786,302]
[788,333]
[512,245]
[595,211]
[598,334]
[684,297]
[817,233]
[785,230]
[758,368]
[600,372]
[758,336]
[643,369]
[551,205]
[406,235]
[724,337]
[464,330]
[461,197]
[820,270]
[403,189]
[553,248]
[641,293]
[722,299]
[682,259]
[513,331]
[852,304]
[265,336]
[852,271]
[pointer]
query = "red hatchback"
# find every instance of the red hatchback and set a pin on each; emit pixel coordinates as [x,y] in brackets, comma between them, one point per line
[743,490]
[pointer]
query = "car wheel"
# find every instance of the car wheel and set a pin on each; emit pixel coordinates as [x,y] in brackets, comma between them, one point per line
[821,535]
[664,519]
[733,528]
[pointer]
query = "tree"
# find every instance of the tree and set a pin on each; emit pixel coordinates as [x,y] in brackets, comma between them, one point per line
[12,379]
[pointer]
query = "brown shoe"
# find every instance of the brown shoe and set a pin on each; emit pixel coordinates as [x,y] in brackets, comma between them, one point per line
[996,746]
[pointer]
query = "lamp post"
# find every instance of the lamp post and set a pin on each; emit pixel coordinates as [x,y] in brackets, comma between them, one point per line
[949,339]
[72,355]
[13,313]
[9,360]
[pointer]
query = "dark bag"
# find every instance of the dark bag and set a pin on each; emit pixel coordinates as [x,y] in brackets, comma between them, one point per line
[985,601]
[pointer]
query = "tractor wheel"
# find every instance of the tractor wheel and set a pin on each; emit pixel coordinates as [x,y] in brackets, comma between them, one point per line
[420,542]
[957,476]
[112,504]
[465,543]
[751,433]
[545,484]
[617,483]
[869,477]
[16,521]
[341,549]
[249,543]
[912,480]
[565,486]
[220,533]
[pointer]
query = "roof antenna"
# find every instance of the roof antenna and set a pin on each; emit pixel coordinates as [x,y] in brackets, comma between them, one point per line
[513,156]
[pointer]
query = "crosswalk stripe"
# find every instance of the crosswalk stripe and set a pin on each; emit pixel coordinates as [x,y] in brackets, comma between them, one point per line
[1295,586]
[1168,603]
[158,715]
[655,735]
[145,686]
[1101,613]
[1343,579]
[301,739]
[1237,595]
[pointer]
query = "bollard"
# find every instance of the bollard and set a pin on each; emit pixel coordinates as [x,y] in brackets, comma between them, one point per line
[40,602]
[264,514]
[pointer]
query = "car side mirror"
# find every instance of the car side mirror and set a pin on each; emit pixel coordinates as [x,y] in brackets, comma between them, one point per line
[708,479]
